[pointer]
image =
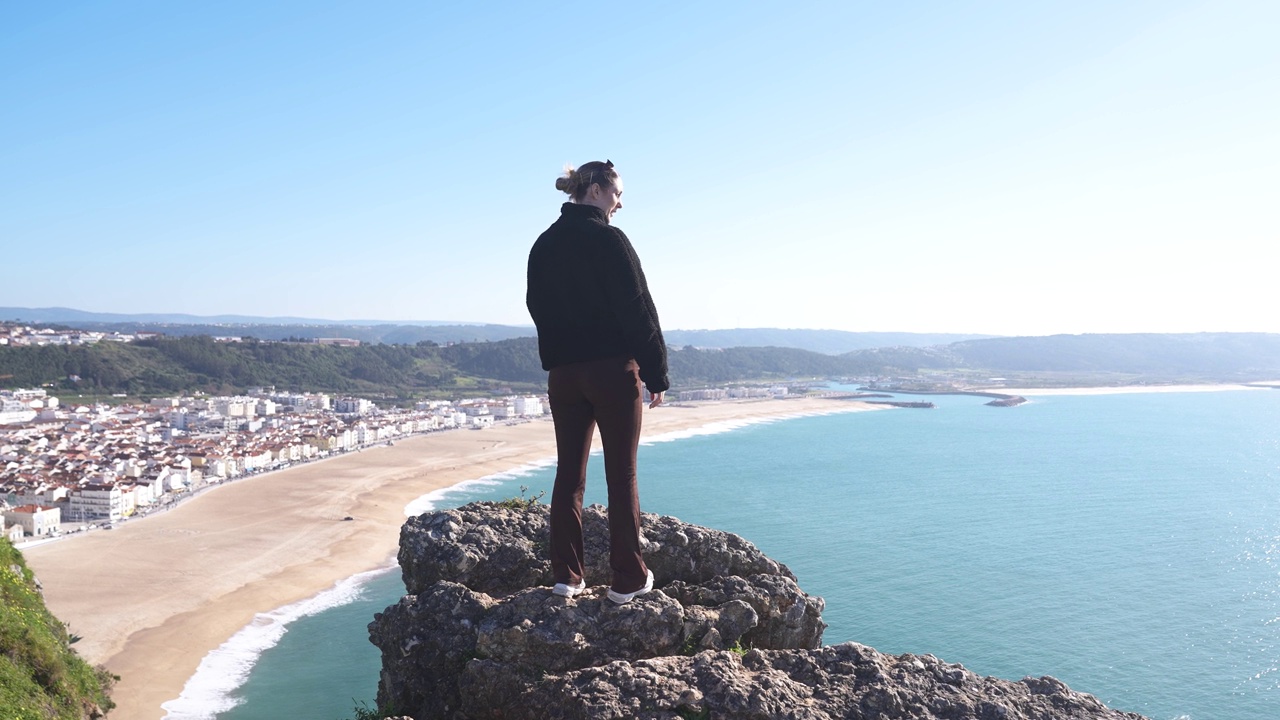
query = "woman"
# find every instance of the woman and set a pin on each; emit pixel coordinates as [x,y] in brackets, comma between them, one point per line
[599,337]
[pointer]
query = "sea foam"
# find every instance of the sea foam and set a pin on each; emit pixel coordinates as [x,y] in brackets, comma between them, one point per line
[212,689]
[433,500]
[724,426]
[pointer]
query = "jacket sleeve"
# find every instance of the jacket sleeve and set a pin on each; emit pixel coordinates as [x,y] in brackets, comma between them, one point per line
[629,300]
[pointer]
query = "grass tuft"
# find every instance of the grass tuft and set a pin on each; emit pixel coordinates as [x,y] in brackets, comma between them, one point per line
[362,711]
[522,502]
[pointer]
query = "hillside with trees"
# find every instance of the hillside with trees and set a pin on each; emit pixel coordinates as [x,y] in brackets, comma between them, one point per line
[402,372]
[829,342]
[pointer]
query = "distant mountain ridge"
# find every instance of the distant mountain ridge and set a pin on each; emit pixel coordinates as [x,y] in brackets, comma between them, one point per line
[1210,354]
[67,315]
[827,342]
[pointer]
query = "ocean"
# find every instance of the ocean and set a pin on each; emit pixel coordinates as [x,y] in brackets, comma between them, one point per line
[1126,544]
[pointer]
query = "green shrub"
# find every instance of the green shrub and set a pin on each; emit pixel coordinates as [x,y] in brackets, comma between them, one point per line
[522,502]
[41,677]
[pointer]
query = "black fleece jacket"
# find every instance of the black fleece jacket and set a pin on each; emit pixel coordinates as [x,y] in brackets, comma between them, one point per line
[589,299]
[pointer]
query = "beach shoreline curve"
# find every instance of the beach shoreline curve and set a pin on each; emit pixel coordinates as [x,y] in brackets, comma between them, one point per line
[181,584]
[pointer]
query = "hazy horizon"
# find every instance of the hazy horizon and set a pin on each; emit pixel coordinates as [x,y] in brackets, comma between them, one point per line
[250,320]
[1008,169]
[242,319]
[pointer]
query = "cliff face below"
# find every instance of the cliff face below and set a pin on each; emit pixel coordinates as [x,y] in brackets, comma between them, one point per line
[726,634]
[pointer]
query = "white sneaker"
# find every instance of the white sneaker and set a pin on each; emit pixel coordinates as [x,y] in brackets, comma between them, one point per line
[623,598]
[569,591]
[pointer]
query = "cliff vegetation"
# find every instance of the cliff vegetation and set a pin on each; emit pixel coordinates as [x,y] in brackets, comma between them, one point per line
[41,676]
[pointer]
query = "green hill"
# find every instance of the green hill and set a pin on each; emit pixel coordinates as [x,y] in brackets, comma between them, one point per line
[1099,358]
[387,372]
[41,677]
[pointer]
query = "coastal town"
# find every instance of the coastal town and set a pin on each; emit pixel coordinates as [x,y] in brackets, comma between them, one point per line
[74,468]
[76,464]
[20,335]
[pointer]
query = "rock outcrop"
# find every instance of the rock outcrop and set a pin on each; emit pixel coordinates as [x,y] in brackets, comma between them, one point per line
[726,634]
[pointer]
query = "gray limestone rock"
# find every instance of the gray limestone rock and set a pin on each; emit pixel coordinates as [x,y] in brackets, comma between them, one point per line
[726,634]
[787,616]
[426,642]
[499,550]
[839,681]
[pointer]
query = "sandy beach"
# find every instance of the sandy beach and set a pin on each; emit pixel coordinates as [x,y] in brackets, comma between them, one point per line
[154,596]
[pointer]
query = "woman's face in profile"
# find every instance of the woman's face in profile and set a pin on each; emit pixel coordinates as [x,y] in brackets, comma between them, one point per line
[608,199]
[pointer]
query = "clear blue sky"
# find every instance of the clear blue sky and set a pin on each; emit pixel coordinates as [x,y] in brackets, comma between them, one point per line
[992,167]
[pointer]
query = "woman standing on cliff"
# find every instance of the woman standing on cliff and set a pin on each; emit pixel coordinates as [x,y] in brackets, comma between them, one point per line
[599,337]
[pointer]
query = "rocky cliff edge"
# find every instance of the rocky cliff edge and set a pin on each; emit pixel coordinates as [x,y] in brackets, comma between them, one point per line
[727,634]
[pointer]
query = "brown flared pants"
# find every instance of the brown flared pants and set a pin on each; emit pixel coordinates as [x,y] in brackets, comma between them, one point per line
[584,395]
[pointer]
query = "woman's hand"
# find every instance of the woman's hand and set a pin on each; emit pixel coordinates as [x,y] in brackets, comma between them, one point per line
[655,399]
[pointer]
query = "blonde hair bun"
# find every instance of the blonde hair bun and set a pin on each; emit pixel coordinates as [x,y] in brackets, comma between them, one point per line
[568,182]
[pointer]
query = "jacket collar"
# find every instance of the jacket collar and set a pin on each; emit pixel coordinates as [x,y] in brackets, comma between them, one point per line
[579,210]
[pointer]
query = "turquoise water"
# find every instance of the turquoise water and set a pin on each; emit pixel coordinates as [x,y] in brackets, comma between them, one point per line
[1127,544]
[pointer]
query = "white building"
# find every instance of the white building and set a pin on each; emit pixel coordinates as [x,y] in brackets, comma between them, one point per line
[259,459]
[35,520]
[178,418]
[364,435]
[353,406]
[529,406]
[346,439]
[150,488]
[237,407]
[46,495]
[13,411]
[294,400]
[96,502]
[705,394]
